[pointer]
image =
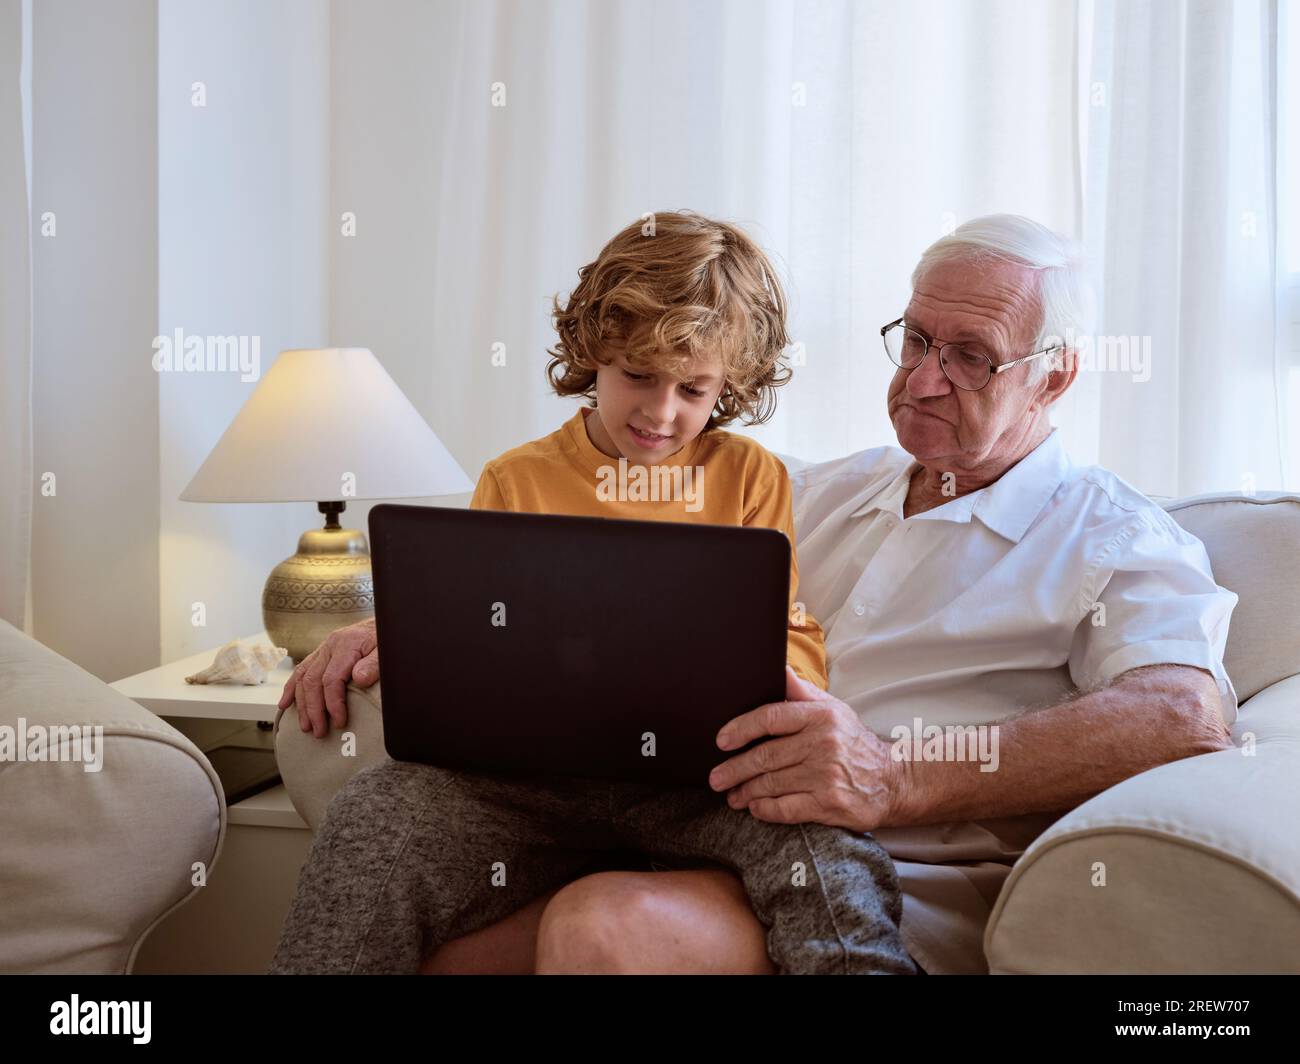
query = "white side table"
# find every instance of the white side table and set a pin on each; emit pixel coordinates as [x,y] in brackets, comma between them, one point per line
[164,691]
[233,925]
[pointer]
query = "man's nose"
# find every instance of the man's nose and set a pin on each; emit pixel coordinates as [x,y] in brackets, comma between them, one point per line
[928,378]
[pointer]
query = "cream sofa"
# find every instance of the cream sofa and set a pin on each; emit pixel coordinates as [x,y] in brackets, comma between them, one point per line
[92,861]
[1202,856]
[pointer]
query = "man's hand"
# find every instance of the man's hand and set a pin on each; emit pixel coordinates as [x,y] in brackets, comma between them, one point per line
[318,686]
[824,767]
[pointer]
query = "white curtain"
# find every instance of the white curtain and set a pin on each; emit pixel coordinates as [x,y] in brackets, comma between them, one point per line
[1287,190]
[1180,131]
[845,135]
[848,136]
[16,474]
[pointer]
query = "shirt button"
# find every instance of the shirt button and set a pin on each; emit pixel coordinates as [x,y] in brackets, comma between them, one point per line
[859,609]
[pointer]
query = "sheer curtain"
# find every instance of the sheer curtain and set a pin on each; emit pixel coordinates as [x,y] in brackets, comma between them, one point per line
[16,473]
[845,135]
[488,148]
[849,135]
[1287,186]
[1180,129]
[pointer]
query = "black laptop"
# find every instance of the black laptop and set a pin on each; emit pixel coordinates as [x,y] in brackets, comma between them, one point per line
[535,644]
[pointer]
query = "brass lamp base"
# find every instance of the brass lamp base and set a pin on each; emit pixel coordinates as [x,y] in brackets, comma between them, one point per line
[325,586]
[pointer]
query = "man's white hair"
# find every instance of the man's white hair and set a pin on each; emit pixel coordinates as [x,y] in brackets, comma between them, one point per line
[1065,294]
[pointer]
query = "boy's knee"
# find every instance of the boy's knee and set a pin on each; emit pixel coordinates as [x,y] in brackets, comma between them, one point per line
[596,925]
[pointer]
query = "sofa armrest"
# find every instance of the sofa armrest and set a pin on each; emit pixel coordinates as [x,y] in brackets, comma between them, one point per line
[314,769]
[1200,859]
[93,860]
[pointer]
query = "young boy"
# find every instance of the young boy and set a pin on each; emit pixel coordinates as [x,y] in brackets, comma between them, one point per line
[676,329]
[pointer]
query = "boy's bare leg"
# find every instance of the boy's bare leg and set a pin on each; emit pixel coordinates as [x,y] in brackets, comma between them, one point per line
[829,898]
[690,922]
[695,921]
[508,947]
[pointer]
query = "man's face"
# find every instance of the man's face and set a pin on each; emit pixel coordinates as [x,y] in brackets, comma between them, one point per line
[674,408]
[992,309]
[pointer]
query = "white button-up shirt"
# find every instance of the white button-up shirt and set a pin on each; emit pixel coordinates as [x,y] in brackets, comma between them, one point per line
[1053,579]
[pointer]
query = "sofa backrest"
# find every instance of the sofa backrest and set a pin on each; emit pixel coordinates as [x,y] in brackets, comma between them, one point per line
[1254,546]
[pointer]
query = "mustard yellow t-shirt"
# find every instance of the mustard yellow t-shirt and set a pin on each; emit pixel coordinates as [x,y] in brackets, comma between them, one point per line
[742,484]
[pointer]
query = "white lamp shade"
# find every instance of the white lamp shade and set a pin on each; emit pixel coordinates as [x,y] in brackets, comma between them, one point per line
[322,425]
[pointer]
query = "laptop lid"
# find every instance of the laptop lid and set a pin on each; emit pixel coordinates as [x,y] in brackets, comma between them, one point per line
[538,644]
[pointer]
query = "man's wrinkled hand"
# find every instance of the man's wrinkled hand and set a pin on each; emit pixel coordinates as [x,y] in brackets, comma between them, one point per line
[821,765]
[318,685]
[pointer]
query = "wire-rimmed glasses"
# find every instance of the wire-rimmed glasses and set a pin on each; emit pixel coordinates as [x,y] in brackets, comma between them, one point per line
[967,368]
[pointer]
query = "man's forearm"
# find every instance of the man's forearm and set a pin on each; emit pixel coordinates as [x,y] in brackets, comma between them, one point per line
[1058,757]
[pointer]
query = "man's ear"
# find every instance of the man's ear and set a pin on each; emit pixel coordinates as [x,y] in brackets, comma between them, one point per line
[1061,376]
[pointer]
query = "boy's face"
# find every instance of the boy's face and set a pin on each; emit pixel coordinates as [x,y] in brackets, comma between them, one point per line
[645,415]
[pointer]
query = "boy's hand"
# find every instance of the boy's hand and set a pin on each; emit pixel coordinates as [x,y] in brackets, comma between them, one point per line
[318,686]
[822,766]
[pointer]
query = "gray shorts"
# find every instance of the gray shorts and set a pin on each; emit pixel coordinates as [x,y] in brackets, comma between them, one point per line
[411,856]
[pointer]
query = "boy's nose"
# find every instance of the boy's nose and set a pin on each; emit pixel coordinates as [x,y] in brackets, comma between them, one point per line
[659,410]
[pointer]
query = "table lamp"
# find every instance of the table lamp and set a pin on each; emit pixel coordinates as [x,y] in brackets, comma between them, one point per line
[324,426]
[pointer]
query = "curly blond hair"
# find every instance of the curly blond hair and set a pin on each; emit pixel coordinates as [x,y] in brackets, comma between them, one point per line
[670,287]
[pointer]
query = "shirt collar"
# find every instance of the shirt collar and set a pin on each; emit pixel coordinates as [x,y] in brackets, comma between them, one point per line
[888,496]
[1007,506]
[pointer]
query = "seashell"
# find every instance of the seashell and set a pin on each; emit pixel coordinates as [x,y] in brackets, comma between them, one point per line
[237,662]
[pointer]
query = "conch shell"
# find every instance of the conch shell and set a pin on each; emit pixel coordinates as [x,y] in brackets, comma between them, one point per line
[238,663]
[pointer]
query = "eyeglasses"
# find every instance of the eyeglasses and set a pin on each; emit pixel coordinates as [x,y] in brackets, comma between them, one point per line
[968,369]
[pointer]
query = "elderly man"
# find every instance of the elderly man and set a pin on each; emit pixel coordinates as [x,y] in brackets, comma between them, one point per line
[975,581]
